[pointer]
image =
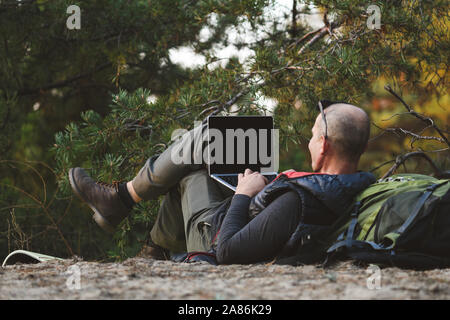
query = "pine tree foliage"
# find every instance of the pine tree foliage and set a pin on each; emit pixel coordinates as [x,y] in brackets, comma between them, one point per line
[51,75]
[295,66]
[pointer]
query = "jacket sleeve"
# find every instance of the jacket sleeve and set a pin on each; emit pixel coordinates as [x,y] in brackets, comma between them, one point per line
[248,241]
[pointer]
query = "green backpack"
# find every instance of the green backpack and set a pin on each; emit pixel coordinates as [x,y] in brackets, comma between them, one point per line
[402,221]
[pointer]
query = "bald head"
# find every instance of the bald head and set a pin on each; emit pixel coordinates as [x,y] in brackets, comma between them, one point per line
[348,129]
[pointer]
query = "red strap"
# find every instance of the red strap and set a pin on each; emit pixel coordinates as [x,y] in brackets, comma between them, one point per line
[215,237]
[296,174]
[198,253]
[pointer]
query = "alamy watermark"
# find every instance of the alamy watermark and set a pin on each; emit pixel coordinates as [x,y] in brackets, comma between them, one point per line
[74,20]
[373,282]
[73,282]
[374,19]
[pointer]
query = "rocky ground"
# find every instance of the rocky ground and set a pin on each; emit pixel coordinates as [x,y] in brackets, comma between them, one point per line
[144,278]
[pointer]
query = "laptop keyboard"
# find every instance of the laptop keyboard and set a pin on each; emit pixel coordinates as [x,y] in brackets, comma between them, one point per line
[233,179]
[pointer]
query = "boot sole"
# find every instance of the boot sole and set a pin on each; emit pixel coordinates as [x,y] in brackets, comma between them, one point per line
[98,218]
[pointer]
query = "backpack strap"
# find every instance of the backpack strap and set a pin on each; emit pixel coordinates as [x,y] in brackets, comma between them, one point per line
[348,240]
[419,206]
[353,223]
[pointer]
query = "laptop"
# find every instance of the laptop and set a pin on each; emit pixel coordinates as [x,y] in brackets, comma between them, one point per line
[236,143]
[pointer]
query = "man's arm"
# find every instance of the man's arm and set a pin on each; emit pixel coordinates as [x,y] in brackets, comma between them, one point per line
[261,239]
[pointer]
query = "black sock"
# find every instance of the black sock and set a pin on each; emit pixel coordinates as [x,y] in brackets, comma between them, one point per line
[125,196]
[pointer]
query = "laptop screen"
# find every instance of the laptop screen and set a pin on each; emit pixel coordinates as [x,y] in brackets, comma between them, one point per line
[240,142]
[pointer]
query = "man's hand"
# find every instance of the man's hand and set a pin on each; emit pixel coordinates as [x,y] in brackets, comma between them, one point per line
[250,183]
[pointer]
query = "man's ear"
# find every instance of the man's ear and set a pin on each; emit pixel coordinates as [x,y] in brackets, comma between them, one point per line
[324,145]
[322,152]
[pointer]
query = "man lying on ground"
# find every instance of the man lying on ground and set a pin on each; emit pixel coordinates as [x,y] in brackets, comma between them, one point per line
[252,225]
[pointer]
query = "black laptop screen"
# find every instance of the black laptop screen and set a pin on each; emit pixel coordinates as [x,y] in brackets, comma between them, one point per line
[245,142]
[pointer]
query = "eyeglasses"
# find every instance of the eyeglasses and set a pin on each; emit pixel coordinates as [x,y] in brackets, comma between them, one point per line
[323,119]
[323,104]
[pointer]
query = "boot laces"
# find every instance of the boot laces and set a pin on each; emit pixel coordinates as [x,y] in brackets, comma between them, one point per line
[112,186]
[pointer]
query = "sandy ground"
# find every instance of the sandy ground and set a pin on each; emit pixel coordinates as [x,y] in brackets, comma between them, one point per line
[143,278]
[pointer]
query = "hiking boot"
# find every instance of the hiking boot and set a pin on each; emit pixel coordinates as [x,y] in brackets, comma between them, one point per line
[102,198]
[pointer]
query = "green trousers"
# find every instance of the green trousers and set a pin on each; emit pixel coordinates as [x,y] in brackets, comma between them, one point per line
[184,218]
[190,195]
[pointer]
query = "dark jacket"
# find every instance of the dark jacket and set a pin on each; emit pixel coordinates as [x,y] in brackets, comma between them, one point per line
[318,192]
[324,198]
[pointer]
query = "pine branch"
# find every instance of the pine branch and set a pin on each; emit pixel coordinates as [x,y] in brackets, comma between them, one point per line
[229,103]
[425,119]
[298,41]
[407,132]
[402,158]
[320,33]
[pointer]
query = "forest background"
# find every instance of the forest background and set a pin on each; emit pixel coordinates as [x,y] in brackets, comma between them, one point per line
[108,95]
